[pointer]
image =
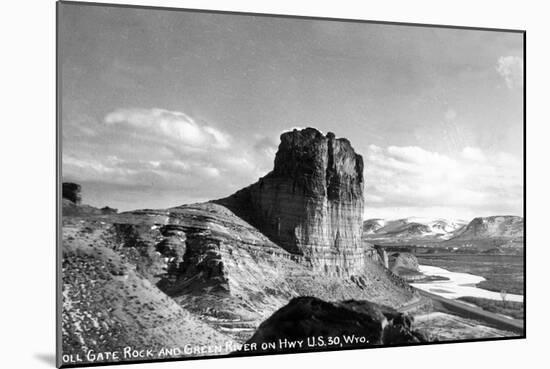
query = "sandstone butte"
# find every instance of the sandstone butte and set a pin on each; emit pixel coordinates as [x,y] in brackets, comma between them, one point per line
[228,264]
[311,204]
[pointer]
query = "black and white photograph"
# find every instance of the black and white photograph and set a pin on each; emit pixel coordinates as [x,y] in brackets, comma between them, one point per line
[238,184]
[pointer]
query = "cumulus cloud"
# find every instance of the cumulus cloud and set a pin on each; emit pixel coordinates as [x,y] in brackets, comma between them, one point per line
[473,153]
[155,152]
[412,179]
[171,124]
[511,69]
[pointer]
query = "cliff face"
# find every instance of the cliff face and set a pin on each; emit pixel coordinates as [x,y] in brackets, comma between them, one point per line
[311,204]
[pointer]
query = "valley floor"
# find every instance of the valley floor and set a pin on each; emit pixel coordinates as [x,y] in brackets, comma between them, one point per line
[458,285]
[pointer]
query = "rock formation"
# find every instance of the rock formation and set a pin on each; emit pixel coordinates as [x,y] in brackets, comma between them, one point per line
[311,204]
[231,263]
[312,321]
[403,261]
[219,267]
[405,265]
[109,305]
[108,210]
[71,191]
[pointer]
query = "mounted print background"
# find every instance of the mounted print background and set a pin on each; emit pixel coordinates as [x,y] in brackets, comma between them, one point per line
[237,184]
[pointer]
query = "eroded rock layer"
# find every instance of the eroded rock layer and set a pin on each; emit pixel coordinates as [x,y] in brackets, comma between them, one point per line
[108,301]
[220,268]
[311,204]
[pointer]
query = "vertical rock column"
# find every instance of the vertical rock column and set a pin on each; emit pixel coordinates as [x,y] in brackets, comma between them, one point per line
[312,203]
[72,191]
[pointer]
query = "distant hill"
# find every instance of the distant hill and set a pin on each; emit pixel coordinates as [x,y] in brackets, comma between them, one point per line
[503,234]
[506,226]
[411,229]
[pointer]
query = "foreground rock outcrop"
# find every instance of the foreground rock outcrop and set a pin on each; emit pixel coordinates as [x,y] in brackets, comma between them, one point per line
[109,305]
[321,325]
[311,204]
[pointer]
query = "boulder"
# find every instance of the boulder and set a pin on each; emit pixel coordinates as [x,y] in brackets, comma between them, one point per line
[314,321]
[403,261]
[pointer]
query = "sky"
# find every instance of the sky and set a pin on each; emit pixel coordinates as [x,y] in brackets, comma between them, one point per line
[161,108]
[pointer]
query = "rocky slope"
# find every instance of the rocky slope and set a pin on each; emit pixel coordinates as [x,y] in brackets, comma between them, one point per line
[311,204]
[109,305]
[224,270]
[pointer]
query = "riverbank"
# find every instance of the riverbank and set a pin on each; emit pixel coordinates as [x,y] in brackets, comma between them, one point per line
[501,272]
[458,285]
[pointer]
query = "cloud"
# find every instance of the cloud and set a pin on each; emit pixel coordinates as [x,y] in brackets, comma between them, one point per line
[156,153]
[472,182]
[173,125]
[473,153]
[136,158]
[511,69]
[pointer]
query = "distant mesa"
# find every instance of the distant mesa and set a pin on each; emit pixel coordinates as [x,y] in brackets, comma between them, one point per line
[72,202]
[72,192]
